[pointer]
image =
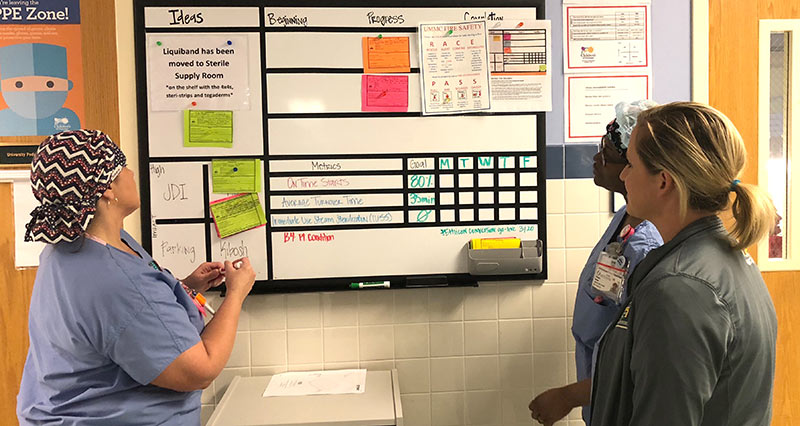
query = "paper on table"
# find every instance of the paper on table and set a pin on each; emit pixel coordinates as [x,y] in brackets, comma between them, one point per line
[237,214]
[384,93]
[236,176]
[26,254]
[207,128]
[385,54]
[333,382]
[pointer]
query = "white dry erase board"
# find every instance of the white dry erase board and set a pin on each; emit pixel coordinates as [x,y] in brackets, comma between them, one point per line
[348,195]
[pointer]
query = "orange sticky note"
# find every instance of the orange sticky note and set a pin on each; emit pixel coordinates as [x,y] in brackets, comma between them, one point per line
[385,54]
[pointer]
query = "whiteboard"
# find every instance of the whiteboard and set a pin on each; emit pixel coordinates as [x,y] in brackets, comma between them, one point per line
[348,196]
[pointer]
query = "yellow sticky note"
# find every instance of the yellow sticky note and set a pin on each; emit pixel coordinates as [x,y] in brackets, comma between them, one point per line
[385,54]
[207,128]
[232,176]
[495,243]
[236,214]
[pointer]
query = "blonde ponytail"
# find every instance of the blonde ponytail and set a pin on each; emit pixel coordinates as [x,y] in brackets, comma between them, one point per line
[704,153]
[754,214]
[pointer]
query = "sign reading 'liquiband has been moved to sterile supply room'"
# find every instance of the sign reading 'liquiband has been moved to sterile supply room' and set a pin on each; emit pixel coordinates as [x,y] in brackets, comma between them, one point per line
[204,72]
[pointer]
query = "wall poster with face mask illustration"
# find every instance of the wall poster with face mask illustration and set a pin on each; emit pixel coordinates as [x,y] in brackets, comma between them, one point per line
[41,71]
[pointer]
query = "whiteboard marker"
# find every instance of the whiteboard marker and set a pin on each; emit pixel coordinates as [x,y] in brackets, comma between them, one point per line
[371,284]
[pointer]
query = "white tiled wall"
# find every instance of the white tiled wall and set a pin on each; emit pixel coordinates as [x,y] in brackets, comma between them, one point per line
[465,356]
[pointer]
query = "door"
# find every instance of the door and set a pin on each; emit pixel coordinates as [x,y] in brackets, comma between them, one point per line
[733,89]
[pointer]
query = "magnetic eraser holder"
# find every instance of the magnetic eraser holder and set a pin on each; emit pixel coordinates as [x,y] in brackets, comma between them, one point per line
[506,261]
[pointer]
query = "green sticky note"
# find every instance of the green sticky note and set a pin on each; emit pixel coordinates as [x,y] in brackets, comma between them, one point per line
[237,214]
[207,128]
[235,176]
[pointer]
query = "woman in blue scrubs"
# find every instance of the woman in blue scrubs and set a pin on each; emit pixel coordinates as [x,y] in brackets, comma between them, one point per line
[594,311]
[114,338]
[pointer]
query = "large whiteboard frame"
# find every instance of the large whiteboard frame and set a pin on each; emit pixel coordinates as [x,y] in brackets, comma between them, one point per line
[523,198]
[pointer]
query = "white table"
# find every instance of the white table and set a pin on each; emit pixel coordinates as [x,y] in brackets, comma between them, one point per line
[243,404]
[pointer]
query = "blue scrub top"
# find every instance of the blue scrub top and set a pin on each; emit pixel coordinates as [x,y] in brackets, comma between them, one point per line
[103,324]
[591,319]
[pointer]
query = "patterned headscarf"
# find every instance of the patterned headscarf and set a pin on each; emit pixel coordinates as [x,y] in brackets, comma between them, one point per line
[70,172]
[619,129]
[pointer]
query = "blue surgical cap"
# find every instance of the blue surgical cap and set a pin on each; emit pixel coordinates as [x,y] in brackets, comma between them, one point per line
[21,60]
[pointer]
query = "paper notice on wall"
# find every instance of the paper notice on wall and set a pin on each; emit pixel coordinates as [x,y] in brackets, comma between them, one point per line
[604,36]
[202,71]
[26,254]
[590,101]
[519,62]
[454,67]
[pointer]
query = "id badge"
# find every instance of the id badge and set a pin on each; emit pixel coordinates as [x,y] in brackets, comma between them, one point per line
[609,276]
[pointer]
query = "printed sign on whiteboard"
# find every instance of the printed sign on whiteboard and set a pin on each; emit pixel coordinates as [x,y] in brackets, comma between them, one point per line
[454,67]
[591,100]
[197,71]
[520,66]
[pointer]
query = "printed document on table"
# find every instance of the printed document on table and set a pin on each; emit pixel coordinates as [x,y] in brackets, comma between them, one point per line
[520,67]
[605,36]
[590,101]
[454,68]
[332,382]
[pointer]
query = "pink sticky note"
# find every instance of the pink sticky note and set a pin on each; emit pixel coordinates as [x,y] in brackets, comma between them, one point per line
[506,36]
[387,93]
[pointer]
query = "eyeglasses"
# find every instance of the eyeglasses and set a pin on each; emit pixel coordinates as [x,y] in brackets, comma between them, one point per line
[605,143]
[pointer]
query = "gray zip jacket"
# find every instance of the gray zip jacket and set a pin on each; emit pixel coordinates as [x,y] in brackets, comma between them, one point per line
[694,344]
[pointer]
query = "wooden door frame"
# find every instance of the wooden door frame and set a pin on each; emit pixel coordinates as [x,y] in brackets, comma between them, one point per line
[784,287]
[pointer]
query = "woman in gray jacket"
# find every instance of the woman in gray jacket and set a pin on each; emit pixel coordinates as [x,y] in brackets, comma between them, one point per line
[695,343]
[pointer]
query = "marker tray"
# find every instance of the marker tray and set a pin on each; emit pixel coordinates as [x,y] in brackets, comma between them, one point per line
[509,261]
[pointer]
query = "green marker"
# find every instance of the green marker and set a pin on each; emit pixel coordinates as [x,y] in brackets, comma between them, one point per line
[449,32]
[158,43]
[370,284]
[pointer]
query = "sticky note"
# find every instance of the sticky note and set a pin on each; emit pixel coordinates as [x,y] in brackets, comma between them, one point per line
[233,176]
[385,54]
[384,93]
[207,128]
[495,243]
[237,214]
